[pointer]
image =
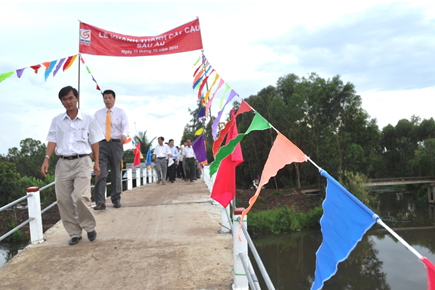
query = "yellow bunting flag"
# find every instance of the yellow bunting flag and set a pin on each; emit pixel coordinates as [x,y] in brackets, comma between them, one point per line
[199,132]
[71,62]
[208,93]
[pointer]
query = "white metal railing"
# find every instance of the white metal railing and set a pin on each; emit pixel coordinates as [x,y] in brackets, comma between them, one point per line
[34,203]
[244,274]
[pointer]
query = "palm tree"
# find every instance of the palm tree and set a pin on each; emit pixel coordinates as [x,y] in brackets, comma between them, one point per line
[144,143]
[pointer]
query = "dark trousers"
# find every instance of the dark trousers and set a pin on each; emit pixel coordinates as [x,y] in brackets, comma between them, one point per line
[110,153]
[190,168]
[180,170]
[171,172]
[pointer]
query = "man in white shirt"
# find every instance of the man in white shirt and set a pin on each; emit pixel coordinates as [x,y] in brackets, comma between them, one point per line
[114,122]
[180,168]
[162,153]
[189,161]
[74,135]
[174,155]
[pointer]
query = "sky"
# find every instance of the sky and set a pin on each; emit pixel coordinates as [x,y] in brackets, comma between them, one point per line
[385,49]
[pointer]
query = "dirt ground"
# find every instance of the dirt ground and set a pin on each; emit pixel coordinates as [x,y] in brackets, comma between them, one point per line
[276,198]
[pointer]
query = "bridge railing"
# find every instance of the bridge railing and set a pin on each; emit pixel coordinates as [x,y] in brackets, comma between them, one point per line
[34,202]
[244,274]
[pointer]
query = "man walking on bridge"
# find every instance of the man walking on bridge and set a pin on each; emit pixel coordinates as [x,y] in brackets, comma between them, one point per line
[174,155]
[74,135]
[162,153]
[189,161]
[114,122]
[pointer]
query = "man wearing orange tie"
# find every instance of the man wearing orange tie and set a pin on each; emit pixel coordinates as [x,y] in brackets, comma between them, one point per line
[114,122]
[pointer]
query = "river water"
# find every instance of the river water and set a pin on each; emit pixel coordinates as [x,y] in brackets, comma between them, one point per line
[379,261]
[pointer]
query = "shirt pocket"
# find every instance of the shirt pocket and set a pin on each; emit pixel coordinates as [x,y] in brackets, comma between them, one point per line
[81,135]
[117,123]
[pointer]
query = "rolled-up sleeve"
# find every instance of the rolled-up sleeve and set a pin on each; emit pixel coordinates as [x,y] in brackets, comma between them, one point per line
[51,137]
[95,133]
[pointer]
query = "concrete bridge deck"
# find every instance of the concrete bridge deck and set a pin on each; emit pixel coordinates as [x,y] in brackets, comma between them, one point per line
[163,237]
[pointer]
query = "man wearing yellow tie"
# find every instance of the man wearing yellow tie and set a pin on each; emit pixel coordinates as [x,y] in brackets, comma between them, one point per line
[114,122]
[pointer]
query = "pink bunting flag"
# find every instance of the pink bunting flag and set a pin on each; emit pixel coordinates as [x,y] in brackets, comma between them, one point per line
[221,82]
[283,152]
[430,268]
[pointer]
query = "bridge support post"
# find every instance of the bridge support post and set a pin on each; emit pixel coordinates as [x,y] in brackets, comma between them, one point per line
[148,176]
[240,279]
[154,176]
[129,178]
[138,177]
[34,207]
[431,193]
[144,178]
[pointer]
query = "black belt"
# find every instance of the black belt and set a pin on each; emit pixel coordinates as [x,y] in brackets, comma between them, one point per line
[112,140]
[190,157]
[74,156]
[161,157]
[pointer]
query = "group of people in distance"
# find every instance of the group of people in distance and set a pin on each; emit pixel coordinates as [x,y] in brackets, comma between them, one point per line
[78,137]
[172,161]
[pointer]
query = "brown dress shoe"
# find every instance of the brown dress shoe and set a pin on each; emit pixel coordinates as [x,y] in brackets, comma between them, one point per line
[117,204]
[100,206]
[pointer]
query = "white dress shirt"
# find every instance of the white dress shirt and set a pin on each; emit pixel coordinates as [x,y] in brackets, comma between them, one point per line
[119,121]
[188,152]
[180,156]
[162,151]
[74,137]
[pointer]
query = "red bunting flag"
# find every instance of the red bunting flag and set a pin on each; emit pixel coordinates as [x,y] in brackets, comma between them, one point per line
[36,67]
[224,188]
[244,107]
[69,62]
[137,155]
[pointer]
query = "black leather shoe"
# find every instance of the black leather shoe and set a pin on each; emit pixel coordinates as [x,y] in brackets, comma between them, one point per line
[92,235]
[74,241]
[117,204]
[100,206]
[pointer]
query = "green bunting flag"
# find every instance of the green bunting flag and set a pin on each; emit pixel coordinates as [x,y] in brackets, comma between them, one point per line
[222,100]
[258,123]
[5,75]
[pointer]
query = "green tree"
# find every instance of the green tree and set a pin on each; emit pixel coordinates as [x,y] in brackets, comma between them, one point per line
[11,186]
[145,144]
[28,159]
[424,158]
[193,125]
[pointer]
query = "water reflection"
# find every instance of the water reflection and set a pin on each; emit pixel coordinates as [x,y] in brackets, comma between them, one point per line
[377,262]
[9,250]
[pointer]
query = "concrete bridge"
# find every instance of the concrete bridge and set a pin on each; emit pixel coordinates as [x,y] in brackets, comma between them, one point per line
[400,180]
[163,237]
[408,180]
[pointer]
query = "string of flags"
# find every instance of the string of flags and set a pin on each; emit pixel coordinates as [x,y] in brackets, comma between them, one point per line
[345,219]
[51,67]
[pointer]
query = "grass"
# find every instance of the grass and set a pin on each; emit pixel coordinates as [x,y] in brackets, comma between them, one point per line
[283,220]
